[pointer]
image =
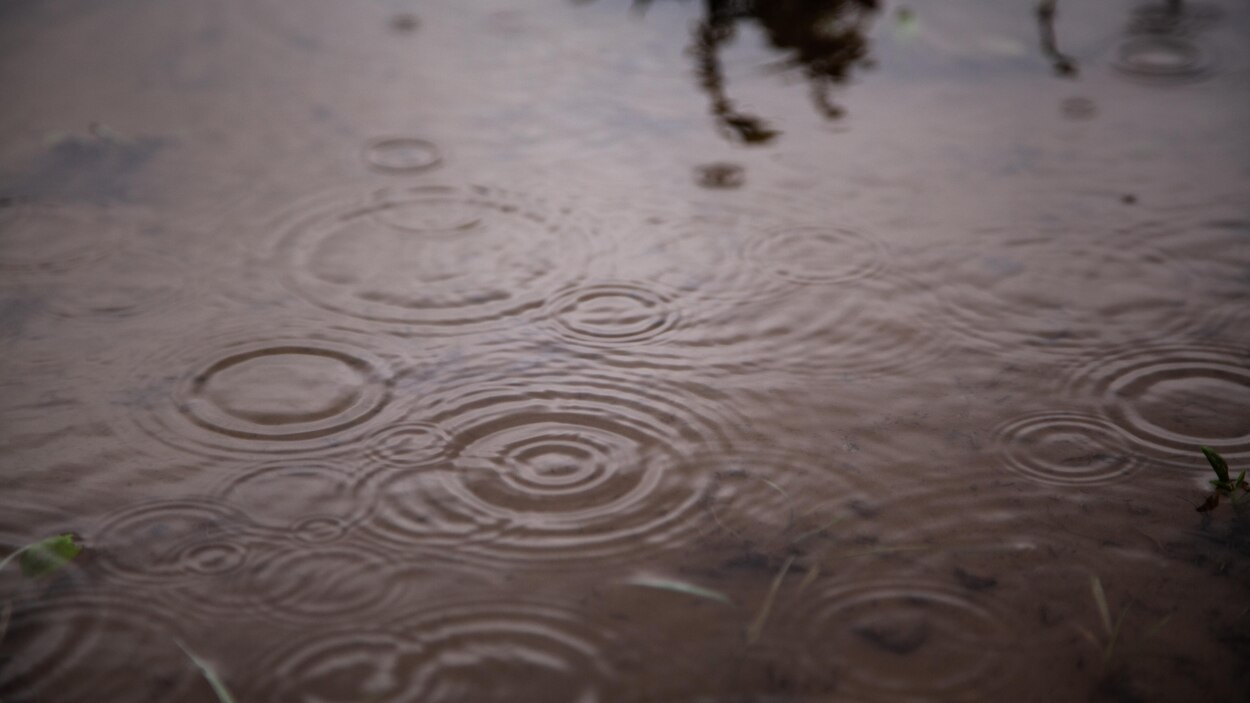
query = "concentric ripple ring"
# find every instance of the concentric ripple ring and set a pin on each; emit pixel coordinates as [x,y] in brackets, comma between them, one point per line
[434,255]
[904,641]
[486,652]
[1174,398]
[555,474]
[262,396]
[611,314]
[1066,448]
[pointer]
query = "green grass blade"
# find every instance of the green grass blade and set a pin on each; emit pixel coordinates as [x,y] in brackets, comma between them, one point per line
[812,573]
[1100,599]
[219,687]
[5,561]
[1084,632]
[1217,463]
[689,589]
[1159,625]
[1115,636]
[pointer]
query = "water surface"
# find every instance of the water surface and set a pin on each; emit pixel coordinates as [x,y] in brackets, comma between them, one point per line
[608,351]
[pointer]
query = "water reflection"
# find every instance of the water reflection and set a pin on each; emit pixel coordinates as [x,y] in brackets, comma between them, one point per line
[825,39]
[1158,45]
[1064,65]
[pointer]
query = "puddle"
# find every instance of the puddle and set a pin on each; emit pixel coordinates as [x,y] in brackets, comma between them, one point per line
[625,350]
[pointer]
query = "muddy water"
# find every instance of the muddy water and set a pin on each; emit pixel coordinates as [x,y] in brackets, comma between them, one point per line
[398,351]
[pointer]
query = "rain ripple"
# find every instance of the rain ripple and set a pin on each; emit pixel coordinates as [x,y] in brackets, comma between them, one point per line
[134,281]
[43,238]
[167,541]
[261,395]
[555,473]
[817,254]
[408,445]
[312,501]
[402,155]
[76,648]
[755,295]
[1172,398]
[908,640]
[772,498]
[1066,448]
[1060,295]
[481,652]
[307,586]
[446,257]
[736,258]
[611,314]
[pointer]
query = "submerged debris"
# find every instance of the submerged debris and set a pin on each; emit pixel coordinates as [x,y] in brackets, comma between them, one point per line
[973,582]
[897,635]
[720,176]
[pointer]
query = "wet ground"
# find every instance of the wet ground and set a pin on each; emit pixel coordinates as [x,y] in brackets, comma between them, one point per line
[674,351]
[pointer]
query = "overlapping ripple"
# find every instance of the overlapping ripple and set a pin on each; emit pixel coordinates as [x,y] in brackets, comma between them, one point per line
[895,641]
[466,651]
[755,294]
[51,238]
[738,257]
[770,498]
[611,314]
[167,541]
[81,649]
[1061,295]
[1173,398]
[310,500]
[549,471]
[447,257]
[134,281]
[408,445]
[308,586]
[817,254]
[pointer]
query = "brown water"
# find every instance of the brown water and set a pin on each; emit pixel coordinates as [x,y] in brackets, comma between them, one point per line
[405,351]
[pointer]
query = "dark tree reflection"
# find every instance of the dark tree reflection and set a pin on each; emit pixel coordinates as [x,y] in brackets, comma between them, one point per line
[1063,64]
[825,39]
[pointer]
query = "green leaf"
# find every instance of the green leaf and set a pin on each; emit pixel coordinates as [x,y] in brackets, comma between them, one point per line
[680,587]
[1217,463]
[219,686]
[49,555]
[45,556]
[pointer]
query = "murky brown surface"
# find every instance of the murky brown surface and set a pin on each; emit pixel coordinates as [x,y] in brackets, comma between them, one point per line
[396,351]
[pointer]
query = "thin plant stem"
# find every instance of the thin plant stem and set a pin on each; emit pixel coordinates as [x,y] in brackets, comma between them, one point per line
[757,625]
